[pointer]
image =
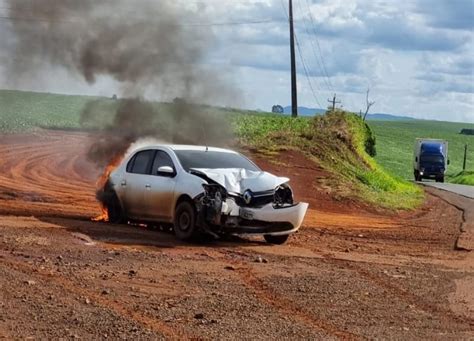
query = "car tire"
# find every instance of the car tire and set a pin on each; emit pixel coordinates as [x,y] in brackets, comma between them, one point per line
[114,209]
[276,240]
[185,221]
[440,179]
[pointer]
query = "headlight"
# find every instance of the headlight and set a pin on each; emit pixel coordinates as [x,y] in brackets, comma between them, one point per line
[283,196]
[213,191]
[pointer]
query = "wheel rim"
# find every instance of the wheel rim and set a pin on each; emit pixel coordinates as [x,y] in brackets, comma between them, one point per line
[184,221]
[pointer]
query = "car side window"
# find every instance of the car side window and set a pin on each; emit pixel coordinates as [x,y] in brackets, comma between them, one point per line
[141,162]
[162,159]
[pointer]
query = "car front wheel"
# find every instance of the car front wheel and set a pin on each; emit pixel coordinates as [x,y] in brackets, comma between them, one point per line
[277,240]
[185,221]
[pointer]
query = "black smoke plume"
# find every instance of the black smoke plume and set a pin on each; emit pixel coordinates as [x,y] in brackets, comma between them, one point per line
[147,46]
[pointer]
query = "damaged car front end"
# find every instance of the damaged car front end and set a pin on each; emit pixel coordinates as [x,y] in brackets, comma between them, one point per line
[243,202]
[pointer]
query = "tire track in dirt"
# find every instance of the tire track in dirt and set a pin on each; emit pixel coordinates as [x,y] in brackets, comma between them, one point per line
[284,306]
[49,168]
[47,171]
[384,283]
[400,293]
[69,286]
[287,308]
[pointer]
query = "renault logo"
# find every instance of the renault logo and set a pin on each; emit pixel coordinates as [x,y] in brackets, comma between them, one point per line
[248,196]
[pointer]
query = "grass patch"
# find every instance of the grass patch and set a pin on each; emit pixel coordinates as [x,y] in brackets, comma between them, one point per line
[464,178]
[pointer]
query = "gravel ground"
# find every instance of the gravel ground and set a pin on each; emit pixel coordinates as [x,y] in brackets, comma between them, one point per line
[350,273]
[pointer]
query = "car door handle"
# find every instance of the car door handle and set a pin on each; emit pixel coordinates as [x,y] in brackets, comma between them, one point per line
[123,183]
[147,186]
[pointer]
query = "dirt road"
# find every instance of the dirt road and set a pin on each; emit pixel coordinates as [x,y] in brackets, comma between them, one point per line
[351,272]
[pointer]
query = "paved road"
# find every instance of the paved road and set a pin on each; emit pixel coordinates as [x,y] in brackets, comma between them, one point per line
[464,190]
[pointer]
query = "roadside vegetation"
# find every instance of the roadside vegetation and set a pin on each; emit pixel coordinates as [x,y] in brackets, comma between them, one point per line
[342,144]
[464,178]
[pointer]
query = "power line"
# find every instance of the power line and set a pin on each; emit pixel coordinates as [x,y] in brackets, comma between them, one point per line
[325,79]
[313,25]
[306,72]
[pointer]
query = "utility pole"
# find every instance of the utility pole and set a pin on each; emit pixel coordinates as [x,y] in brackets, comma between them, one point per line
[294,85]
[334,102]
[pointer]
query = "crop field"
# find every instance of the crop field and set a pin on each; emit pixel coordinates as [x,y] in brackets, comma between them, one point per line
[395,144]
[21,111]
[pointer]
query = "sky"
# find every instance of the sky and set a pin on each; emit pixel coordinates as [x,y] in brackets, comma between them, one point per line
[416,56]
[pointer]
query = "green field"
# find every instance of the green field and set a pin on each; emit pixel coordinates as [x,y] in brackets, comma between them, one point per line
[395,142]
[22,111]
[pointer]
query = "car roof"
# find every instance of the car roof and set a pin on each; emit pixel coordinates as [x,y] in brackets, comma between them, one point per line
[178,147]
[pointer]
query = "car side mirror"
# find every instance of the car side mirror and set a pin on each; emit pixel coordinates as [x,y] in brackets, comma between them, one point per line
[166,171]
[416,159]
[449,161]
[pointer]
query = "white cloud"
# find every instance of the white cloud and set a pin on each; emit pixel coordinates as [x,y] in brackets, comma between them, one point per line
[416,56]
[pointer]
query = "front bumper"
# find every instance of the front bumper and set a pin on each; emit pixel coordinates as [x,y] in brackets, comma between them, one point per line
[431,174]
[266,220]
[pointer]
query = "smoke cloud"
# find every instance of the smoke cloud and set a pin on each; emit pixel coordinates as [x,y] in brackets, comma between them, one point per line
[143,45]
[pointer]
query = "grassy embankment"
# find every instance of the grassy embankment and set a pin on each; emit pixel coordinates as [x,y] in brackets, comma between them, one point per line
[395,146]
[339,142]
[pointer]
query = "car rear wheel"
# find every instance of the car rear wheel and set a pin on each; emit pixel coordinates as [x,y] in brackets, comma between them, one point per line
[185,221]
[277,240]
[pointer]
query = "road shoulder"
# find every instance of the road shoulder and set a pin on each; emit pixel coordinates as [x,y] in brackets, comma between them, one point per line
[466,205]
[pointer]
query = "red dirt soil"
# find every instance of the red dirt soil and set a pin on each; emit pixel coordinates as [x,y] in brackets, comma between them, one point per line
[351,272]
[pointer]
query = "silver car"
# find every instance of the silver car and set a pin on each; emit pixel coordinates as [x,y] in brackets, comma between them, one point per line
[200,189]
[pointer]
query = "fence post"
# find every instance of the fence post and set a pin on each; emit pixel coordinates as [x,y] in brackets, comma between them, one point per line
[465,158]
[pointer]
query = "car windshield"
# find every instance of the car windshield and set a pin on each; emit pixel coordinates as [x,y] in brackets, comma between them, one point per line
[434,159]
[212,160]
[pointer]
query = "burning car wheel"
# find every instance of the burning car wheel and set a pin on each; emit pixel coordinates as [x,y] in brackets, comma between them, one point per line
[277,240]
[185,221]
[114,210]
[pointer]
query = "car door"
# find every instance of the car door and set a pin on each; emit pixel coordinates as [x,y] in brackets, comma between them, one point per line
[134,185]
[159,195]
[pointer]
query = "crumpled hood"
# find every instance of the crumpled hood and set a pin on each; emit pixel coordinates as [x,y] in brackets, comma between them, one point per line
[238,180]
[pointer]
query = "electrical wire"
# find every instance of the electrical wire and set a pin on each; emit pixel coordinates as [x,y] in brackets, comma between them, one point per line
[307,72]
[318,61]
[313,25]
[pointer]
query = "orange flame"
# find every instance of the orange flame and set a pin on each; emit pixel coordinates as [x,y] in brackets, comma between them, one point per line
[101,182]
